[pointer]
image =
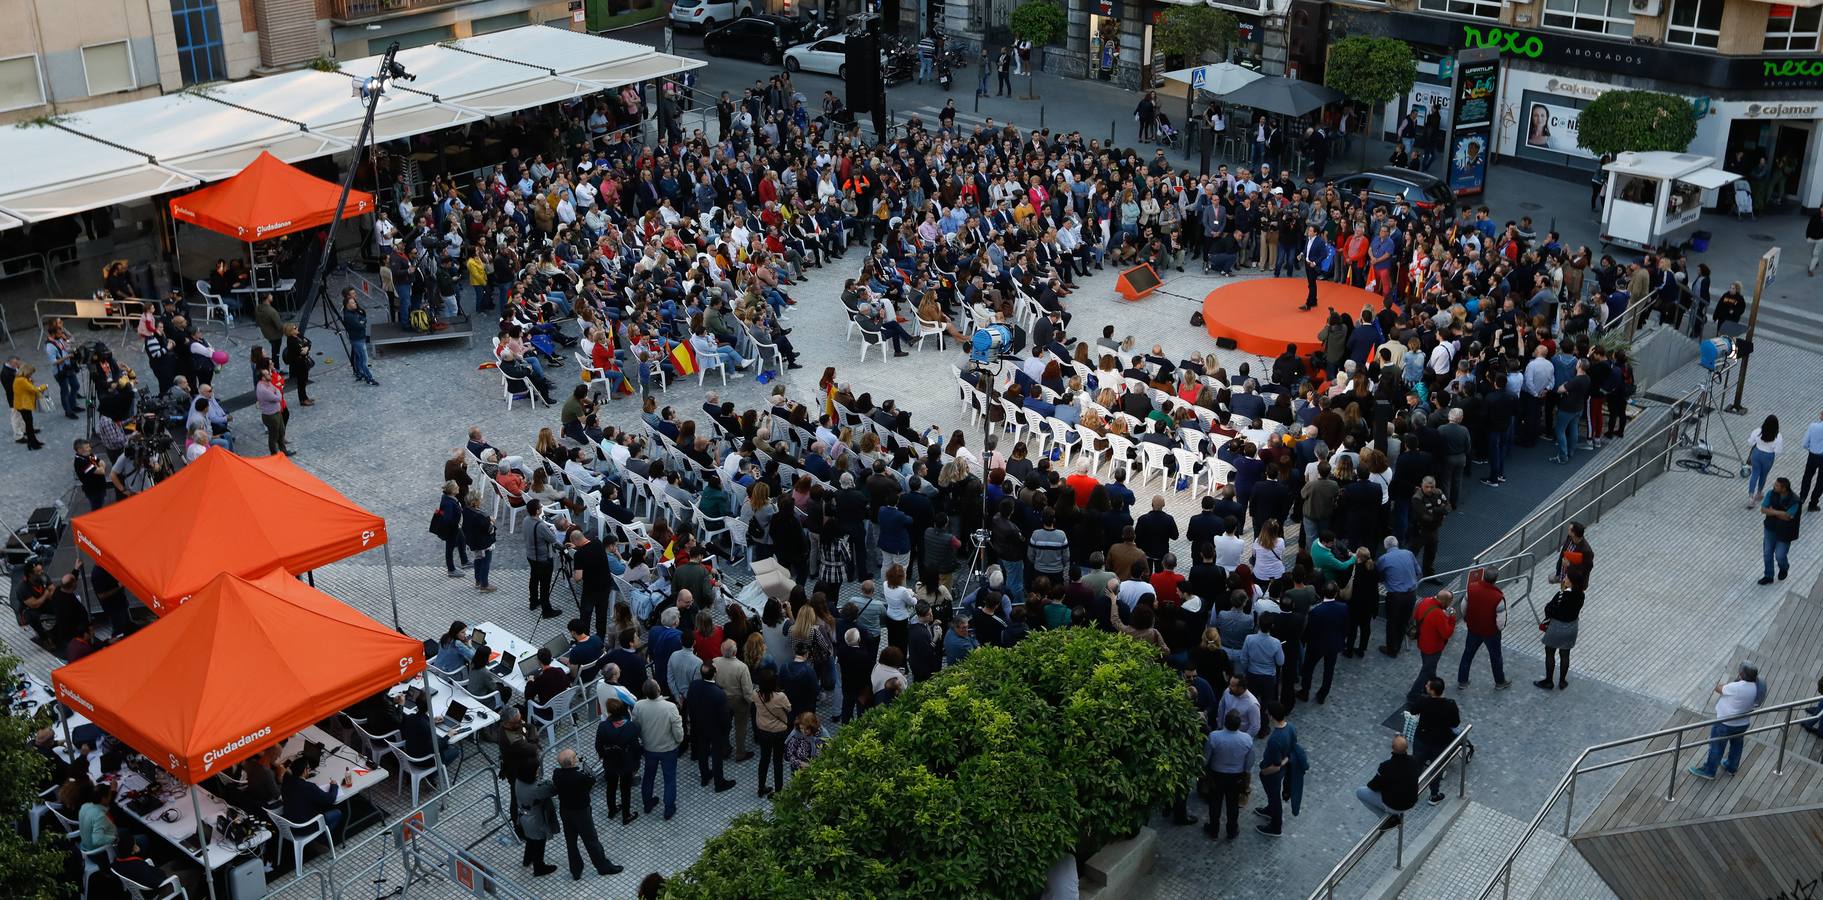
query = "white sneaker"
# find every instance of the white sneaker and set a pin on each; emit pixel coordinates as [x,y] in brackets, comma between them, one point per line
[748,363]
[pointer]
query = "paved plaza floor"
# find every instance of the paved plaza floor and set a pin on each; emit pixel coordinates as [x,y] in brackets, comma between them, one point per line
[1672,599]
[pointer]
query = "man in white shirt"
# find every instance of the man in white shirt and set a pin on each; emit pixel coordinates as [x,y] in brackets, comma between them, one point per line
[1229,548]
[1812,489]
[1738,699]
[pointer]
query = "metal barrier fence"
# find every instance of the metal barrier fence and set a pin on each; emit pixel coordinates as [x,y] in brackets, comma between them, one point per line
[1458,748]
[1787,714]
[1594,496]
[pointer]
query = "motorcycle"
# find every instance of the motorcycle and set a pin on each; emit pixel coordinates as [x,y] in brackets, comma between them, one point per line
[943,75]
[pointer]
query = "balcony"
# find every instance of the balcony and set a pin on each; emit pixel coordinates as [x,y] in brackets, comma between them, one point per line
[347,12]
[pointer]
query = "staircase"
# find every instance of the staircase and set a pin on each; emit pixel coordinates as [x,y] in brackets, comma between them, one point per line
[1608,831]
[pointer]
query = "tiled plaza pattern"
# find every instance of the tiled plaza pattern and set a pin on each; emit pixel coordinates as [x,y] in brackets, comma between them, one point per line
[1672,597]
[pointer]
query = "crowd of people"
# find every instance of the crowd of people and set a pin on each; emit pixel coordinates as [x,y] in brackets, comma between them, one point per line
[1338,470]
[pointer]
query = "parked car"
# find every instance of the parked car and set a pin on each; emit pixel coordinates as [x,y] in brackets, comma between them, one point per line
[762,37]
[828,56]
[1387,184]
[705,15]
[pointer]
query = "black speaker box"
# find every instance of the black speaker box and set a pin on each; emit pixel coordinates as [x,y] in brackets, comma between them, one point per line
[1226,343]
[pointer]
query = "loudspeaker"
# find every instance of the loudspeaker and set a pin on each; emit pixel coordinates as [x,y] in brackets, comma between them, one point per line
[1226,343]
[1306,37]
[1137,282]
[863,70]
[1196,319]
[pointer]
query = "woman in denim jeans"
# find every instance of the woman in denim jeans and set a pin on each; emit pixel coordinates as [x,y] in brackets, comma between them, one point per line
[1766,446]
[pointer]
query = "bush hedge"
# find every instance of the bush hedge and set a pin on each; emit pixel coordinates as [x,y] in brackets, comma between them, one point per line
[973,783]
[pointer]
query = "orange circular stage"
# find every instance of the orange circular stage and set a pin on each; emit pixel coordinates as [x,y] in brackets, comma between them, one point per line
[1262,315]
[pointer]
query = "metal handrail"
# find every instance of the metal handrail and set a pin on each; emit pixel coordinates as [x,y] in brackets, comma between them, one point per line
[1633,314]
[1456,747]
[1524,572]
[1670,426]
[327,886]
[1503,877]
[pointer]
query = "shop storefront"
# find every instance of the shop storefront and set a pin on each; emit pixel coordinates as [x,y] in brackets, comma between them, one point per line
[1105,28]
[1761,113]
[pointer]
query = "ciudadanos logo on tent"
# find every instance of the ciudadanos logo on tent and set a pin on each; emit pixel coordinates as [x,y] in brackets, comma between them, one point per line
[210,756]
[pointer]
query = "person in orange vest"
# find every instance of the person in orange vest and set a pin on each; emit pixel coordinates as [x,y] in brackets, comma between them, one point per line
[1432,624]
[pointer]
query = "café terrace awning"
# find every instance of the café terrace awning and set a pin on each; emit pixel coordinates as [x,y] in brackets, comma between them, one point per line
[204,139]
[326,104]
[54,172]
[572,54]
[130,151]
[491,87]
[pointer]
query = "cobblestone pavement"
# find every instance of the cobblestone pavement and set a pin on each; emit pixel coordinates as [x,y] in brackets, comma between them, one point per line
[1668,609]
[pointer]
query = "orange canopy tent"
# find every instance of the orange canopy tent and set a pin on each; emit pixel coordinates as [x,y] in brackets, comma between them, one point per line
[267,199]
[225,513]
[244,665]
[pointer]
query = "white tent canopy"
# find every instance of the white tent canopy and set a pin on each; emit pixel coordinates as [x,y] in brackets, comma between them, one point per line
[208,140]
[326,105]
[491,87]
[605,62]
[54,172]
[7,221]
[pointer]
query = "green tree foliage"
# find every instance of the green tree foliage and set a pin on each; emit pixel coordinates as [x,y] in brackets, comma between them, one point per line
[973,783]
[1038,21]
[29,871]
[1370,70]
[1623,121]
[1191,31]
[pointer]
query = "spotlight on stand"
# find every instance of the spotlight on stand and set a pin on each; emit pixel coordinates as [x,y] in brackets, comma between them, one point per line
[988,343]
[1717,352]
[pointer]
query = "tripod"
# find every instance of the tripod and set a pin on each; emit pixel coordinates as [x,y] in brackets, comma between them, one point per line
[986,369]
[1694,428]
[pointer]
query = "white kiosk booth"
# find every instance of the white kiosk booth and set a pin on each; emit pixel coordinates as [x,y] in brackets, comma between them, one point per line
[1652,194]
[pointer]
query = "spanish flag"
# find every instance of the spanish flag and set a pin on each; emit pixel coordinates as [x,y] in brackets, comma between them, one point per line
[684,358]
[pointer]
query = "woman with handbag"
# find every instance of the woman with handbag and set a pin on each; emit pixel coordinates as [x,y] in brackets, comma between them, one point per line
[536,817]
[1559,627]
[26,394]
[446,523]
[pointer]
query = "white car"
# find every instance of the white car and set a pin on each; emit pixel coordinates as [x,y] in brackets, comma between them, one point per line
[704,15]
[828,56]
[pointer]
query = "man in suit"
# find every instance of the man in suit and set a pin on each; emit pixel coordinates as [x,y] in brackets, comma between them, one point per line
[1325,634]
[924,654]
[302,800]
[1316,253]
[551,680]
[706,706]
[573,787]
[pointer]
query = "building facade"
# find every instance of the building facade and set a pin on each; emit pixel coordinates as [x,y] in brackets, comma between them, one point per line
[1750,69]
[60,57]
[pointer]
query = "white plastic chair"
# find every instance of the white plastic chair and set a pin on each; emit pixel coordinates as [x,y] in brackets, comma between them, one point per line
[598,378]
[871,338]
[1153,458]
[1190,466]
[213,304]
[94,861]
[374,746]
[168,889]
[506,389]
[502,502]
[715,363]
[1120,454]
[417,768]
[1065,436]
[928,330]
[546,715]
[301,834]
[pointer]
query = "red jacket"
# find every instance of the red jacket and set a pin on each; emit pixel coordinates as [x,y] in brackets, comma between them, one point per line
[1482,608]
[1435,625]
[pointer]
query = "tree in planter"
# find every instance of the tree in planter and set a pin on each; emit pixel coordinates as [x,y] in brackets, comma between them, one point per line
[29,871]
[1038,21]
[1627,121]
[1371,71]
[973,783]
[1192,31]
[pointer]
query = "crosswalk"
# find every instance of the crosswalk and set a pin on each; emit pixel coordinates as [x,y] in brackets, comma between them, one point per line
[1789,324]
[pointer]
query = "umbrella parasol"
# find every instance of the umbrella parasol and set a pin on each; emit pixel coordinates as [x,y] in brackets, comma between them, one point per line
[1284,96]
[1216,78]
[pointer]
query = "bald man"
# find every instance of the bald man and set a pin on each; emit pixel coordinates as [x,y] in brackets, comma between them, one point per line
[1394,788]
